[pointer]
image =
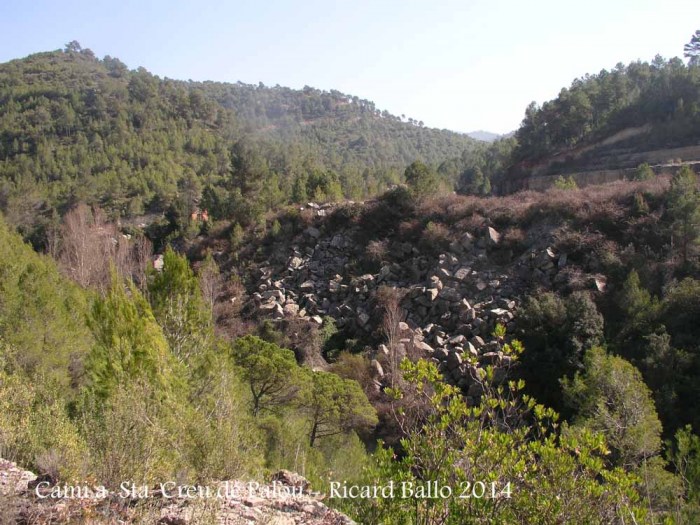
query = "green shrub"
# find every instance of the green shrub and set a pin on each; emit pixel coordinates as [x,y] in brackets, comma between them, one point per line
[643,172]
[35,430]
[506,442]
[421,180]
[568,183]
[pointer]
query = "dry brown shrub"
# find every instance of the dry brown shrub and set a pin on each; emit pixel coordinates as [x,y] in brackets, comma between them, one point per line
[356,367]
[435,205]
[472,223]
[227,309]
[306,217]
[514,238]
[574,278]
[89,246]
[607,201]
[377,251]
[409,229]
[598,201]
[436,237]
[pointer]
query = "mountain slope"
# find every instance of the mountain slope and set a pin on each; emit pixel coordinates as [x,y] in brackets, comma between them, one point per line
[339,127]
[75,128]
[643,112]
[484,136]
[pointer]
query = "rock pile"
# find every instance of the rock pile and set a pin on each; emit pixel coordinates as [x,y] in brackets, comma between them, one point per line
[452,304]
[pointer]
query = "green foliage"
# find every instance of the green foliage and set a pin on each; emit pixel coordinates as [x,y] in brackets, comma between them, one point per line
[684,454]
[556,333]
[503,444]
[41,313]
[691,50]
[681,305]
[335,406]
[611,397]
[135,433]
[74,128]
[634,300]
[324,186]
[643,172]
[640,205]
[236,237]
[275,229]
[684,208]
[179,307]
[421,180]
[474,182]
[659,335]
[129,344]
[476,171]
[308,419]
[271,372]
[329,336]
[222,445]
[603,104]
[35,430]
[341,456]
[99,394]
[567,183]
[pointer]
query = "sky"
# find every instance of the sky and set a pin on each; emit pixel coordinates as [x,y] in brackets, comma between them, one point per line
[461,65]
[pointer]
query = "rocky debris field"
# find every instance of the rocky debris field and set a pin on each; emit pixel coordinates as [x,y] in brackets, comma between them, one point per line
[452,302]
[285,500]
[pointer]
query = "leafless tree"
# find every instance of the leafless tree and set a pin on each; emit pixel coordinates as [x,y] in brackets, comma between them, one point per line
[389,300]
[210,281]
[142,251]
[86,242]
[88,245]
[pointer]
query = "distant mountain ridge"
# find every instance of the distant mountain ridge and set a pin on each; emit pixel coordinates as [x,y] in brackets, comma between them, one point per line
[485,136]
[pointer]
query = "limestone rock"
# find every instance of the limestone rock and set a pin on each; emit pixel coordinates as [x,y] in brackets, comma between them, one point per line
[454,360]
[377,370]
[423,347]
[435,283]
[492,236]
[307,286]
[291,309]
[457,340]
[295,263]
[291,479]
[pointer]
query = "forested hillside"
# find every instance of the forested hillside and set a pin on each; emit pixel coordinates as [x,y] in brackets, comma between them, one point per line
[602,118]
[74,128]
[133,384]
[340,129]
[238,279]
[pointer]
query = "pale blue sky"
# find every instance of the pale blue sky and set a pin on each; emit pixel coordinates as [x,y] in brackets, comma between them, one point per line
[462,65]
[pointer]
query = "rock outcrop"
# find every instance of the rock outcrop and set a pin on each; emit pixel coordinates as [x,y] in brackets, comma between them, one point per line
[285,500]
